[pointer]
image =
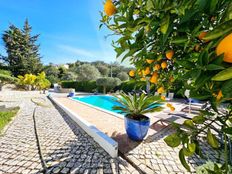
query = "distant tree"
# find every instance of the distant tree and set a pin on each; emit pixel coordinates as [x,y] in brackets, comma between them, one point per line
[23,52]
[108,82]
[69,76]
[51,70]
[87,72]
[98,62]
[62,70]
[53,79]
[123,76]
[52,73]
[103,69]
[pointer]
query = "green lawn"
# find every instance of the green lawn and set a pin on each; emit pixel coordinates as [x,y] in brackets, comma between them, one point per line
[6,117]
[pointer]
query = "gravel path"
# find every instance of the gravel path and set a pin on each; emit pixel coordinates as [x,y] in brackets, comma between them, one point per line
[65,147]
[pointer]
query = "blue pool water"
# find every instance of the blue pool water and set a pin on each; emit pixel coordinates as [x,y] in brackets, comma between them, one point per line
[101,101]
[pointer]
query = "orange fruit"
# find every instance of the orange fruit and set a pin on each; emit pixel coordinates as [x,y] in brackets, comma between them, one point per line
[164,65]
[109,8]
[169,105]
[155,74]
[163,97]
[146,71]
[202,35]
[225,46]
[149,61]
[132,73]
[157,67]
[172,108]
[153,80]
[169,54]
[160,90]
[219,95]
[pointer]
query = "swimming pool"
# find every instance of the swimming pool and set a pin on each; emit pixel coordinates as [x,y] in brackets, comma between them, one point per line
[101,101]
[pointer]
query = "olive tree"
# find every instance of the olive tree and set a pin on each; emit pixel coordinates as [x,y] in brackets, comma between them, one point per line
[181,40]
[123,76]
[108,82]
[87,72]
[103,69]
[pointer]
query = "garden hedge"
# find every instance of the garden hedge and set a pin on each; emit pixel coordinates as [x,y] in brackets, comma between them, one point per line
[84,86]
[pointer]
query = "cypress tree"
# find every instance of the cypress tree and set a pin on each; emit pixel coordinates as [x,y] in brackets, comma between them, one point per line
[23,52]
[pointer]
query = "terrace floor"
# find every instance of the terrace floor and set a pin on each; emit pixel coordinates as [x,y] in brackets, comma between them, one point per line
[63,146]
[152,155]
[51,140]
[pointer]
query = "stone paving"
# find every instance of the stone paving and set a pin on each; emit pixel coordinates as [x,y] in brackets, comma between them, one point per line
[65,147]
[154,156]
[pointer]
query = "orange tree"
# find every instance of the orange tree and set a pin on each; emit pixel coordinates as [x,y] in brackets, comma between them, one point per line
[188,40]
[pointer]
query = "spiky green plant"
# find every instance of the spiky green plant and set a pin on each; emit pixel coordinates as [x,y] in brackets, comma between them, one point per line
[135,106]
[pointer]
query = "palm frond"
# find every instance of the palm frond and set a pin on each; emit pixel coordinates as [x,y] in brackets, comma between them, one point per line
[137,105]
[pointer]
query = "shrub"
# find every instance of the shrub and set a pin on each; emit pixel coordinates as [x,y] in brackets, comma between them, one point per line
[5,77]
[84,86]
[131,85]
[32,81]
[41,82]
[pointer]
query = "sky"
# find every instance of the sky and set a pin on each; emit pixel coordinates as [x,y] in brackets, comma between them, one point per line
[69,29]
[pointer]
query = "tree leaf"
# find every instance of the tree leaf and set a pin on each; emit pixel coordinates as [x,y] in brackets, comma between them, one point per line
[198,119]
[219,31]
[212,140]
[165,24]
[192,147]
[223,75]
[189,151]
[226,89]
[213,4]
[182,160]
[213,67]
[189,123]
[149,5]
[172,140]
[227,130]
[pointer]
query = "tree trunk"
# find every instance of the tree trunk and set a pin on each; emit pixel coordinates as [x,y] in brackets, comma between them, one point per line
[104,89]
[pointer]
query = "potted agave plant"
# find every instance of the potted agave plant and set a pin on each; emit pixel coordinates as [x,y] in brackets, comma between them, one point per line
[134,107]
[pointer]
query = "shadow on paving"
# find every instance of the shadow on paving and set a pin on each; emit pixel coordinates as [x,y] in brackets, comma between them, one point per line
[208,154]
[80,155]
[126,145]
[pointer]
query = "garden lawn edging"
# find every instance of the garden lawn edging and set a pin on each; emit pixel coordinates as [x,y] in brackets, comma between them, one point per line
[2,132]
[107,143]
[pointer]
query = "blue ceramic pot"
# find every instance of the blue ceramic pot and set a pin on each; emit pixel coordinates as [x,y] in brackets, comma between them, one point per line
[135,129]
[71,94]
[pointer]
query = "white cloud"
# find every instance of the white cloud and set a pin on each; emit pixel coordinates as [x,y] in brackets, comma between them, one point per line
[76,51]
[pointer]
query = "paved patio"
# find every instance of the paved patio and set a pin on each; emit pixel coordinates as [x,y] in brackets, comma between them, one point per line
[151,155]
[65,147]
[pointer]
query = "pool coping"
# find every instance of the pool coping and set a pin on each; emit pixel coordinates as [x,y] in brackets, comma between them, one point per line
[98,108]
[106,142]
